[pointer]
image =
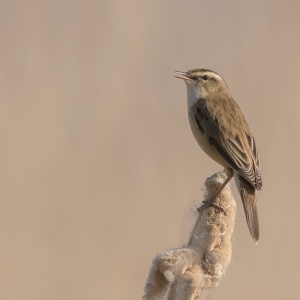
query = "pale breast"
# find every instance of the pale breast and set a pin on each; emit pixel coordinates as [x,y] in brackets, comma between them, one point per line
[202,140]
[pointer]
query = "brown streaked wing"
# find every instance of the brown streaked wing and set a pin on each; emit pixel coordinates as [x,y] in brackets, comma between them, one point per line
[234,150]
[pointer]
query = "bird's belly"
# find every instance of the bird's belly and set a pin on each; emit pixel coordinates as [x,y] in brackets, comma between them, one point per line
[203,142]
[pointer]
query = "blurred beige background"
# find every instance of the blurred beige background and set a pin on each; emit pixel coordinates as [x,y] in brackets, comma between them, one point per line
[99,169]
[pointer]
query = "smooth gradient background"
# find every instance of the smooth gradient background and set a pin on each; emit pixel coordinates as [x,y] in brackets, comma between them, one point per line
[99,169]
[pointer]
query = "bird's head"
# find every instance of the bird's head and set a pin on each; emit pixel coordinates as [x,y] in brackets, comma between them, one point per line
[202,84]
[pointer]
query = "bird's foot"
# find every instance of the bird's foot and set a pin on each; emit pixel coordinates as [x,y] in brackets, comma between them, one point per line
[210,203]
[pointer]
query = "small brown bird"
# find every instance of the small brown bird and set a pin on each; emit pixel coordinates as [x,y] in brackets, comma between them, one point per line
[223,133]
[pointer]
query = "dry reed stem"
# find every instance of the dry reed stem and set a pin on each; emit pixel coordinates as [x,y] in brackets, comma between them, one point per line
[184,273]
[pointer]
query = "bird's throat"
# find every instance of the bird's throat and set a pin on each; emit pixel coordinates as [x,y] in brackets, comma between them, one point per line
[193,94]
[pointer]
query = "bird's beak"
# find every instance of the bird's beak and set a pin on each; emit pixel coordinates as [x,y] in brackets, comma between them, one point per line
[182,75]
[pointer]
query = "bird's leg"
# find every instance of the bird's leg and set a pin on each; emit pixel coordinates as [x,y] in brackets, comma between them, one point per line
[210,202]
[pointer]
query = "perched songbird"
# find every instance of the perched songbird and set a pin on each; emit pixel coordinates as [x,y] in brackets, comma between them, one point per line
[221,130]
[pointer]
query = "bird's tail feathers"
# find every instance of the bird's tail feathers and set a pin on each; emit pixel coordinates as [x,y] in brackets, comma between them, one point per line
[247,192]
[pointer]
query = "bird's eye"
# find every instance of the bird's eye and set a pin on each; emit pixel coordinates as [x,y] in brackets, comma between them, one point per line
[205,77]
